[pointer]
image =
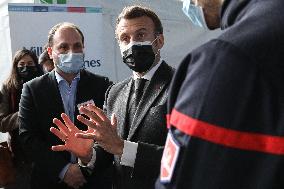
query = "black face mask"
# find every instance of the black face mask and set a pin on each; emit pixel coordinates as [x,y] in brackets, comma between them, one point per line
[139,58]
[27,73]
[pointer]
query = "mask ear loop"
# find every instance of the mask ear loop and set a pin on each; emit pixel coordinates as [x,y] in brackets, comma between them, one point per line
[158,51]
[152,45]
[57,54]
[154,40]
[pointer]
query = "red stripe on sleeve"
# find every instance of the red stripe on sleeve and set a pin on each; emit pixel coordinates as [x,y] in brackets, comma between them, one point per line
[227,137]
[168,121]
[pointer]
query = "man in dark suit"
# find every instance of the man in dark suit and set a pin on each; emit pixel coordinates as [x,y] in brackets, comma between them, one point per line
[46,97]
[131,131]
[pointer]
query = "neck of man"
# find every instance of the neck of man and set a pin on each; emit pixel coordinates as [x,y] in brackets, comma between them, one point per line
[212,13]
[67,76]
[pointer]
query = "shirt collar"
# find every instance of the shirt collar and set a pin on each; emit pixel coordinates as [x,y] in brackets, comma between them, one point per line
[60,79]
[148,76]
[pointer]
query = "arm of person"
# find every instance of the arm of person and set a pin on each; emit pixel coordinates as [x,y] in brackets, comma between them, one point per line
[142,156]
[87,162]
[8,120]
[100,160]
[89,165]
[63,171]
[129,153]
[148,156]
[35,144]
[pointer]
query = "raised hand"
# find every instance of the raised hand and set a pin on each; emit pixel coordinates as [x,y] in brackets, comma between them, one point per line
[82,148]
[104,130]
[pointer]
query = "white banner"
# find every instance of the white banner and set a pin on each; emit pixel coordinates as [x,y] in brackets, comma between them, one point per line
[30,24]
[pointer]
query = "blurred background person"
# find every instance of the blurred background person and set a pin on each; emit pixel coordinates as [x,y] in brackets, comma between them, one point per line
[45,62]
[24,68]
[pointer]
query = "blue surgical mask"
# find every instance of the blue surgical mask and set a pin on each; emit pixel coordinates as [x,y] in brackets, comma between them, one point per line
[71,62]
[194,13]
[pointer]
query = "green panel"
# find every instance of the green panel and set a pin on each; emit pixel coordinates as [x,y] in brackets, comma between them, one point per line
[61,1]
[46,1]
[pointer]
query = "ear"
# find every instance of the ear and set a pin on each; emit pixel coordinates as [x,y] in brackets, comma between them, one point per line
[49,51]
[160,41]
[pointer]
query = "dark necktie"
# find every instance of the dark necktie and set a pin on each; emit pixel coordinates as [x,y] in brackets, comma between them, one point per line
[138,90]
[137,93]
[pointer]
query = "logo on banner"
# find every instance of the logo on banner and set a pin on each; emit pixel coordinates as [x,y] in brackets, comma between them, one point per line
[92,63]
[169,159]
[35,49]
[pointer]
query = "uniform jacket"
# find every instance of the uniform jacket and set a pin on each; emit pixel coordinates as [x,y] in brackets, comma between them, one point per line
[226,104]
[40,103]
[149,130]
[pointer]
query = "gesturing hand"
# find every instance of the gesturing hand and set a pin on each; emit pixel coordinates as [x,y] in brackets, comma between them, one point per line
[81,148]
[104,130]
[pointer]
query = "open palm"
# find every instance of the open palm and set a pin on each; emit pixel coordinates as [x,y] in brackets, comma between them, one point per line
[67,130]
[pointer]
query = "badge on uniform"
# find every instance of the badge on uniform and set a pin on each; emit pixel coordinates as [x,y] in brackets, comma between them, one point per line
[85,103]
[170,156]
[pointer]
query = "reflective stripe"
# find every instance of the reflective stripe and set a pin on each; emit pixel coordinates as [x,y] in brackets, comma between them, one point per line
[226,137]
[168,121]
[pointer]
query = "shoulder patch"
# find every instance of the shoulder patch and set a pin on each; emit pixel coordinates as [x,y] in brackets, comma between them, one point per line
[170,156]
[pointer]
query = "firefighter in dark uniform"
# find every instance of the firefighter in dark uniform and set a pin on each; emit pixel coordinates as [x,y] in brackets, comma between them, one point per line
[226,102]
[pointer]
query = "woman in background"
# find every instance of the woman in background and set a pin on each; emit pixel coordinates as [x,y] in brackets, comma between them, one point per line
[24,68]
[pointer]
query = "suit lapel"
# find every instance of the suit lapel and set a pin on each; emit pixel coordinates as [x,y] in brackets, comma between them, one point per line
[157,84]
[81,92]
[54,94]
[122,108]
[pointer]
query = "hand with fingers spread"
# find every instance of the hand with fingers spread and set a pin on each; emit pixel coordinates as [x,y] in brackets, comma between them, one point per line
[74,177]
[82,148]
[105,132]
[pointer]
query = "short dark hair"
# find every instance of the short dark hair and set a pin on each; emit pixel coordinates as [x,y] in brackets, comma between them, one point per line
[43,57]
[137,11]
[62,25]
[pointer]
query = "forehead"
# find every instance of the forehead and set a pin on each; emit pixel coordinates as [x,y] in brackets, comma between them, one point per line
[26,58]
[66,35]
[134,24]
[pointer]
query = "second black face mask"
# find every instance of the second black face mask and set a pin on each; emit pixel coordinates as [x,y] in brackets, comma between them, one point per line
[139,58]
[27,73]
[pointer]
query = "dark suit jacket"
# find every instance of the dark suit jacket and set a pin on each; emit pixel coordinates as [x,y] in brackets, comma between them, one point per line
[149,130]
[40,103]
